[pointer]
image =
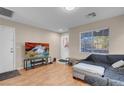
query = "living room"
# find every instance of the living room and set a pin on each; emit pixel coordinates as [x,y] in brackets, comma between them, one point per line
[71,36]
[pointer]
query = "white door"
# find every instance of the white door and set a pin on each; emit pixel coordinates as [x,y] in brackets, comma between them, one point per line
[6,49]
[64,45]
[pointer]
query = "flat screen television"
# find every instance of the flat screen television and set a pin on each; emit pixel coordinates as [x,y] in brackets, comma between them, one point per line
[34,50]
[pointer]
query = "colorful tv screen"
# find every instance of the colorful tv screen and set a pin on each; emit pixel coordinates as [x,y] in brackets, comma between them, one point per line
[36,49]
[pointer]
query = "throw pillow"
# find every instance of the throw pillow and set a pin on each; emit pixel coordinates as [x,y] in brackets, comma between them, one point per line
[118,64]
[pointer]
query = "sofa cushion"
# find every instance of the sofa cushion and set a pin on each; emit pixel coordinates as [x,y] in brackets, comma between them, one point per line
[89,69]
[114,58]
[100,58]
[102,64]
[90,58]
[88,62]
[96,80]
[102,81]
[116,74]
[96,63]
[112,82]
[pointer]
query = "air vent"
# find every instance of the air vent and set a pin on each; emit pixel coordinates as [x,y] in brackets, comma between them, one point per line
[93,14]
[6,12]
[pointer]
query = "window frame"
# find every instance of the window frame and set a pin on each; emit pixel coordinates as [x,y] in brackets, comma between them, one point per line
[92,52]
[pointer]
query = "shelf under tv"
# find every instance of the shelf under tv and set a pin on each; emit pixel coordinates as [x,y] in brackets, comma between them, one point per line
[33,62]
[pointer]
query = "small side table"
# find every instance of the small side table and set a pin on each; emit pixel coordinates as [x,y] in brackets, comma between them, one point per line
[73,61]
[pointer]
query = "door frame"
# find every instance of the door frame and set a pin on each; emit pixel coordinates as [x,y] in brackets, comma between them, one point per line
[14,49]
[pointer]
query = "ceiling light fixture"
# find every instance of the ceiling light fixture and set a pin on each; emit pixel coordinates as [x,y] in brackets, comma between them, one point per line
[69,8]
[60,30]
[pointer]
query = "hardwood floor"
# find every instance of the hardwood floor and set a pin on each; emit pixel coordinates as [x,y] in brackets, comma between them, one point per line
[48,75]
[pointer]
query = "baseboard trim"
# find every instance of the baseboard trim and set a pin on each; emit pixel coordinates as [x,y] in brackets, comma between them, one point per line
[19,68]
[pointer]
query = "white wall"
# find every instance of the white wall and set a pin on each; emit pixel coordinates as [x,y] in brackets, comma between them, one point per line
[116,26]
[64,50]
[25,33]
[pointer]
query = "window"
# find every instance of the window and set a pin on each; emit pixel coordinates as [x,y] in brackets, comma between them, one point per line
[96,41]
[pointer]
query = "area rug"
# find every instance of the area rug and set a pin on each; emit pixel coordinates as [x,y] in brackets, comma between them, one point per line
[63,61]
[9,75]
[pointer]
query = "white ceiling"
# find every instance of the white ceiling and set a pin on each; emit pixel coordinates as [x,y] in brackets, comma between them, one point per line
[59,20]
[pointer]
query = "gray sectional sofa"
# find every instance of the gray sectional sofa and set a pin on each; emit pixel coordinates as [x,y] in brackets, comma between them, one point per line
[112,76]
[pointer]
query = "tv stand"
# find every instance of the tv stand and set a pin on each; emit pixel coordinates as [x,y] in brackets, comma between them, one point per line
[30,63]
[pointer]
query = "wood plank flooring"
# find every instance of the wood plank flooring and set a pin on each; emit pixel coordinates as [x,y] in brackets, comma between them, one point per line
[55,74]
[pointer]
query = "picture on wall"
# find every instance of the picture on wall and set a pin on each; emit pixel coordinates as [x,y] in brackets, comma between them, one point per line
[65,42]
[36,49]
[96,41]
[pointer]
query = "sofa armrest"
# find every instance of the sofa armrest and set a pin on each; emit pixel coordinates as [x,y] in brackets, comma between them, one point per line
[82,60]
